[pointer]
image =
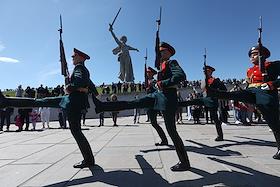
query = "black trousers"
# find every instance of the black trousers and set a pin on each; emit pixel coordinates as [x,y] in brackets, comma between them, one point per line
[168,115]
[74,119]
[5,116]
[218,123]
[170,124]
[270,111]
[153,118]
[213,111]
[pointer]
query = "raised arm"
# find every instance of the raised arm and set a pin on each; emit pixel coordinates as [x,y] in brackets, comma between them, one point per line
[114,36]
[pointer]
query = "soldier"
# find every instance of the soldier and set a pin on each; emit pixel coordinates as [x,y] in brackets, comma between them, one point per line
[165,99]
[152,114]
[262,90]
[76,101]
[210,103]
[215,83]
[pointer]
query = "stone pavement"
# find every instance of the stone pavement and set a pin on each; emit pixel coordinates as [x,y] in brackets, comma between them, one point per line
[126,156]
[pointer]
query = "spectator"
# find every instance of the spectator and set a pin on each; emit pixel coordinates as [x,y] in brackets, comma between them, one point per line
[45,116]
[115,113]
[35,116]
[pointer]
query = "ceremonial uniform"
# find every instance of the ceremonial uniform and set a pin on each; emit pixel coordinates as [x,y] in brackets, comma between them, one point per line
[74,103]
[215,83]
[209,102]
[164,99]
[262,91]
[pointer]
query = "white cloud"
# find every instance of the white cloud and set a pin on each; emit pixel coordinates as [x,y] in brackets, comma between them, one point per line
[2,47]
[52,72]
[8,60]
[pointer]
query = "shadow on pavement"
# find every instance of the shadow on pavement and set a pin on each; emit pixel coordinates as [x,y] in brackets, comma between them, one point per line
[120,177]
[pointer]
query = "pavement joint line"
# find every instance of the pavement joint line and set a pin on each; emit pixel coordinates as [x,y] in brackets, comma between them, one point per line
[33,138]
[50,165]
[27,155]
[158,150]
[52,145]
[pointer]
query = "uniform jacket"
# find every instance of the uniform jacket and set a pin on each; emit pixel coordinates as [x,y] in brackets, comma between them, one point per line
[80,78]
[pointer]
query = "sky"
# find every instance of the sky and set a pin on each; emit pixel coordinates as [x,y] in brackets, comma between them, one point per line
[29,37]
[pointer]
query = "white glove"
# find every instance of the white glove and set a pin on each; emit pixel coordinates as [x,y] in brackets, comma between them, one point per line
[156,85]
[265,86]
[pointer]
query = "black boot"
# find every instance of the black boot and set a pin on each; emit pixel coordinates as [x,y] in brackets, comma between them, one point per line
[84,164]
[277,138]
[219,129]
[181,167]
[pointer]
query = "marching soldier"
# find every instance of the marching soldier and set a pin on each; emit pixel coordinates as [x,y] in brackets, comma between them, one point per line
[165,99]
[209,102]
[215,83]
[78,101]
[74,103]
[262,90]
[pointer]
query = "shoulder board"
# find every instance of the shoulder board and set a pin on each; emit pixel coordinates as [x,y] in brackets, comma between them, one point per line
[173,62]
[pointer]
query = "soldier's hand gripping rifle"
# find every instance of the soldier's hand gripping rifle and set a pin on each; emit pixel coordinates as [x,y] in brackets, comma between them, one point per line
[64,67]
[158,56]
[260,53]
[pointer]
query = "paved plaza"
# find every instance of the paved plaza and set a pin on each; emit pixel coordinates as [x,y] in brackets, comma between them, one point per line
[127,157]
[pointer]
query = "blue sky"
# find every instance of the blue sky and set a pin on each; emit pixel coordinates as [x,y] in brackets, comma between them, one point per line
[29,40]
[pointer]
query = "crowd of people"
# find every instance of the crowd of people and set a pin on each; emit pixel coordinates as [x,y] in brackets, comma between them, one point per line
[26,115]
[125,87]
[243,112]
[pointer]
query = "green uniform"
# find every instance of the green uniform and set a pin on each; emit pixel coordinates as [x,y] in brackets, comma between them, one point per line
[211,103]
[165,100]
[74,104]
[266,100]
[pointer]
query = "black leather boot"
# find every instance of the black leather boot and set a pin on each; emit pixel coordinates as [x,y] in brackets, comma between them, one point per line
[181,167]
[277,138]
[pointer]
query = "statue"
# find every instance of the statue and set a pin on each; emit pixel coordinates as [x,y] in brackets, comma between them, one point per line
[126,71]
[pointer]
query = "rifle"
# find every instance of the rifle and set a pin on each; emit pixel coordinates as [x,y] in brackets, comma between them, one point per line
[145,70]
[260,46]
[205,70]
[111,24]
[64,67]
[158,56]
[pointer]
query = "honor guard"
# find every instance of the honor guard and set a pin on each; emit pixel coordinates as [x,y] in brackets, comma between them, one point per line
[215,83]
[262,90]
[164,99]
